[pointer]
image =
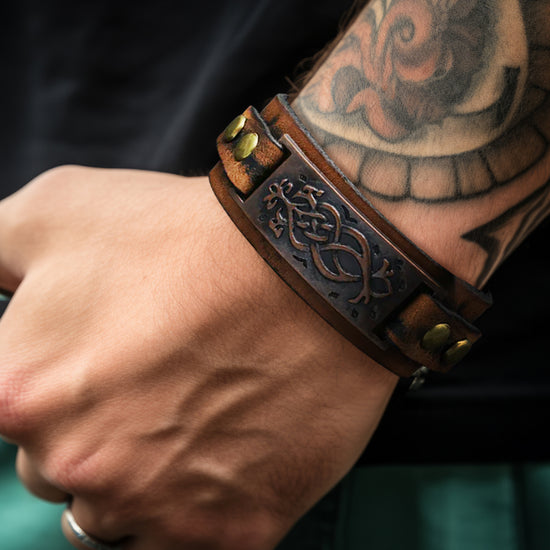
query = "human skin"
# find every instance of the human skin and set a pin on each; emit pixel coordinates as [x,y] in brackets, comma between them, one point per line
[156,370]
[159,372]
[440,113]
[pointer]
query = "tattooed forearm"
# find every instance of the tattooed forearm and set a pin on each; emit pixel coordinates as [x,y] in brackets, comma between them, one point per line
[522,217]
[443,104]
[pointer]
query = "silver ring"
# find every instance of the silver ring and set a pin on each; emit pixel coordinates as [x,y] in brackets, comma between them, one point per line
[82,536]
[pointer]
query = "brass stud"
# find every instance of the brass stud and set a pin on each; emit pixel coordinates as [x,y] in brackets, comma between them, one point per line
[436,337]
[234,128]
[457,352]
[246,145]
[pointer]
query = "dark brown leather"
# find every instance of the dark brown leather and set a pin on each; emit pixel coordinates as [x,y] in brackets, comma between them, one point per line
[395,341]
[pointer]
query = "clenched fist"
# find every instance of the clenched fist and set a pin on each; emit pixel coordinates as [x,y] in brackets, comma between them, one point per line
[158,376]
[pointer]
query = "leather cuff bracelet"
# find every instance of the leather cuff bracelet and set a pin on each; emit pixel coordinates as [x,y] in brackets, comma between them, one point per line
[336,251]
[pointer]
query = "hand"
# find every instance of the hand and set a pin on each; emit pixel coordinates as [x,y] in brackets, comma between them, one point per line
[159,374]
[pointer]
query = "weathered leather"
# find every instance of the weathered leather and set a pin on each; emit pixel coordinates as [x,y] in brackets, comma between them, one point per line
[398,338]
[408,328]
[249,172]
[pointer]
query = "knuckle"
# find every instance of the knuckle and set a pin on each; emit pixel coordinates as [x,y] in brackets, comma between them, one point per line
[75,471]
[15,421]
[104,519]
[24,213]
[27,215]
[44,190]
[57,175]
[46,185]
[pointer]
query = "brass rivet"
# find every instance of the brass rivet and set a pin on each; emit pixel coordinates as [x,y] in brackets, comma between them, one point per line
[234,128]
[246,145]
[457,352]
[436,337]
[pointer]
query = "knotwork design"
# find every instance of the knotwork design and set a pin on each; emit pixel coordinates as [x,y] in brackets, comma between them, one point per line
[340,252]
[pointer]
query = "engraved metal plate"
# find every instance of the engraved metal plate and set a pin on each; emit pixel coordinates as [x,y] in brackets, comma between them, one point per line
[333,246]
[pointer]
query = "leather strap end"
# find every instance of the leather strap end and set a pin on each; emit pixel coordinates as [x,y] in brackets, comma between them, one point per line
[246,173]
[336,251]
[428,333]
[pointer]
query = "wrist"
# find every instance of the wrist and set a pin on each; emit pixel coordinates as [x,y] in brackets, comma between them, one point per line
[346,261]
[292,332]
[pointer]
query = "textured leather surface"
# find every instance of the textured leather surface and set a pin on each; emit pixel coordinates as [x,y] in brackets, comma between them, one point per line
[454,302]
[408,328]
[248,173]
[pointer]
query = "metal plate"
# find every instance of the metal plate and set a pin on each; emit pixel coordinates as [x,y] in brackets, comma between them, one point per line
[332,245]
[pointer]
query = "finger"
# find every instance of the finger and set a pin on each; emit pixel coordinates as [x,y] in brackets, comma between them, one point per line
[11,273]
[87,528]
[31,344]
[33,480]
[80,538]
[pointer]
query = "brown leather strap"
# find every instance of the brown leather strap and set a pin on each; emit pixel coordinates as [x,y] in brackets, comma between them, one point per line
[336,251]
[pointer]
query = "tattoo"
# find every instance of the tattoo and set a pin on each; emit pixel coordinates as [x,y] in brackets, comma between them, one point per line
[524,217]
[426,101]
[414,63]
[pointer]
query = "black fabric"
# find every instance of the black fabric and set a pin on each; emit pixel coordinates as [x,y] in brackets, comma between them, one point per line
[150,85]
[143,84]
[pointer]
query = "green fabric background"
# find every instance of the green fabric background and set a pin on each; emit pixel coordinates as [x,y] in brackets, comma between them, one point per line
[26,523]
[494,507]
[491,507]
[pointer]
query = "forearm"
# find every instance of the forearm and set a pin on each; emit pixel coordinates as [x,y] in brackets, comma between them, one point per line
[440,115]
